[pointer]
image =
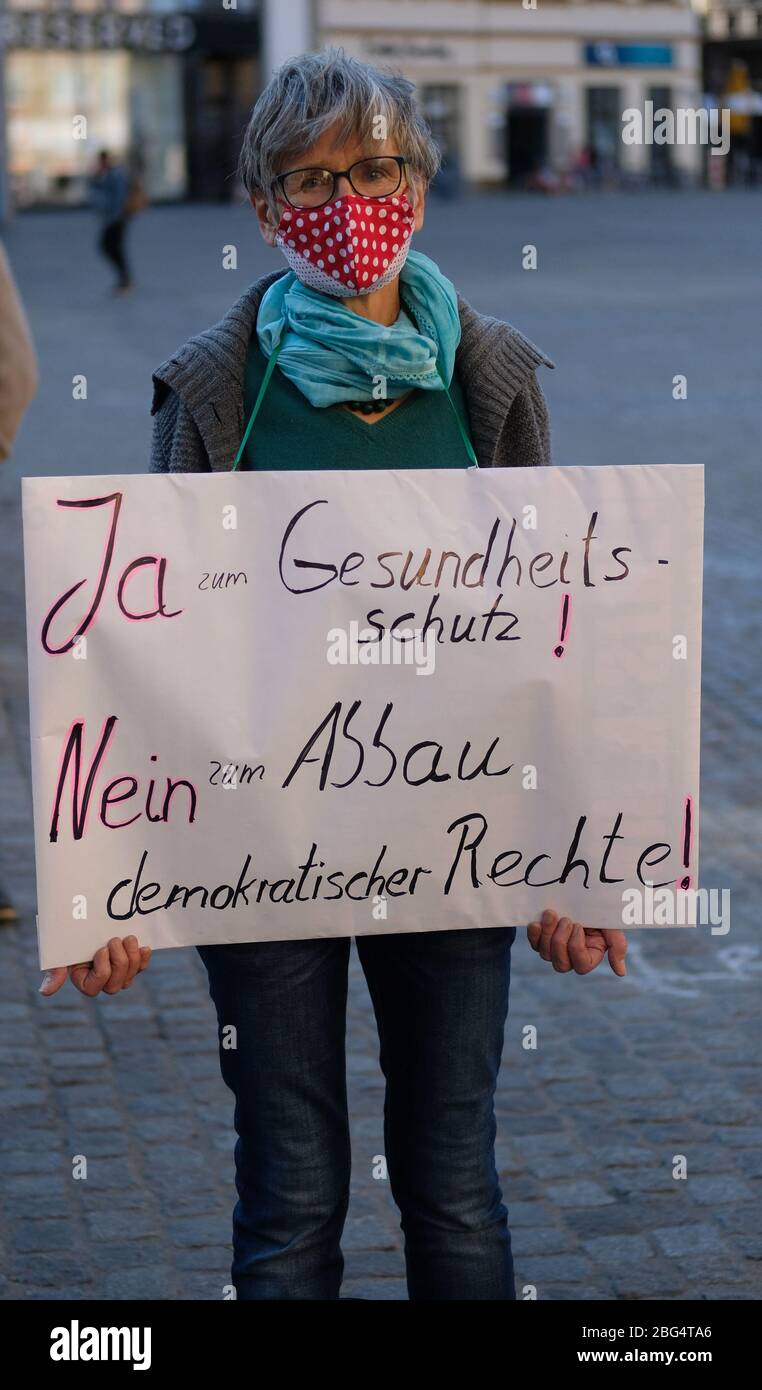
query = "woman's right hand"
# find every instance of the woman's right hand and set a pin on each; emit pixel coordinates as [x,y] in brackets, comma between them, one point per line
[112,969]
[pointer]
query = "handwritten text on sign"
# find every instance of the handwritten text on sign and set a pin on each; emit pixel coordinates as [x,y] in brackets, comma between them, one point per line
[309,704]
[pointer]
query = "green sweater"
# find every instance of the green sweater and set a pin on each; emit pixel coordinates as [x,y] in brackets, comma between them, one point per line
[292,434]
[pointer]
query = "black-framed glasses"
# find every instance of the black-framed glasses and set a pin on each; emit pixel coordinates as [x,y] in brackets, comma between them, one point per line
[375,177]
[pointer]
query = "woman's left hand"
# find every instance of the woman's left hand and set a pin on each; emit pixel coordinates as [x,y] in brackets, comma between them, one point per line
[570,946]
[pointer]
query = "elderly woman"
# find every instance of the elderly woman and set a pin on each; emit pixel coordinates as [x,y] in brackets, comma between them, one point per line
[360,355]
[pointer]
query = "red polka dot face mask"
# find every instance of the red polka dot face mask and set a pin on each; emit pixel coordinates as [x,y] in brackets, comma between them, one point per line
[350,246]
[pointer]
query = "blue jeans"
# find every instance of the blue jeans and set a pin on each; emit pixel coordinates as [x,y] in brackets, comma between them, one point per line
[440,1000]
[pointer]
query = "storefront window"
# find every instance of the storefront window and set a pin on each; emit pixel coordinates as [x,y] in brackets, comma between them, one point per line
[164,85]
[528,131]
[45,91]
[604,126]
[441,107]
[157,128]
[131,105]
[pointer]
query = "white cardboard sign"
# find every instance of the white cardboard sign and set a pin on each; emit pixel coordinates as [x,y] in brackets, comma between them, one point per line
[304,704]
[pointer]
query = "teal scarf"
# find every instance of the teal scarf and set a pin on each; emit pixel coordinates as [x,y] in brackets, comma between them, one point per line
[333,354]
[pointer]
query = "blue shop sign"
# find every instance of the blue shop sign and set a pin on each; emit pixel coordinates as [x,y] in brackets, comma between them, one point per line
[628,55]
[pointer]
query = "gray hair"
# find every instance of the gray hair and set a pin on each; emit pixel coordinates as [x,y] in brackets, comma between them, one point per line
[308,94]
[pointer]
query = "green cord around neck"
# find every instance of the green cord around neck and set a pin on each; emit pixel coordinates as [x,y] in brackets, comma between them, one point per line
[271,364]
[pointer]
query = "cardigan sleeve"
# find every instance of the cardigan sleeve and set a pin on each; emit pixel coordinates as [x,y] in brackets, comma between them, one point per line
[525,437]
[176,445]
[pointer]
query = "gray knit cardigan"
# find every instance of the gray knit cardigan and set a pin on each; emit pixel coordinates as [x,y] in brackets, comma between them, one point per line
[198,393]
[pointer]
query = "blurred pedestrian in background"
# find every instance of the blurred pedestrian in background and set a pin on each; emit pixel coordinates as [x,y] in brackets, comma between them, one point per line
[117,198]
[18,384]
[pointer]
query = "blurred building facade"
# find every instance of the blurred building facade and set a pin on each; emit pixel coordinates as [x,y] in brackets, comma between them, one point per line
[166,84]
[513,88]
[733,33]
[733,77]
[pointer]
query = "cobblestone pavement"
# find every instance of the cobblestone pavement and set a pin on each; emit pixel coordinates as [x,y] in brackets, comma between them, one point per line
[630,290]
